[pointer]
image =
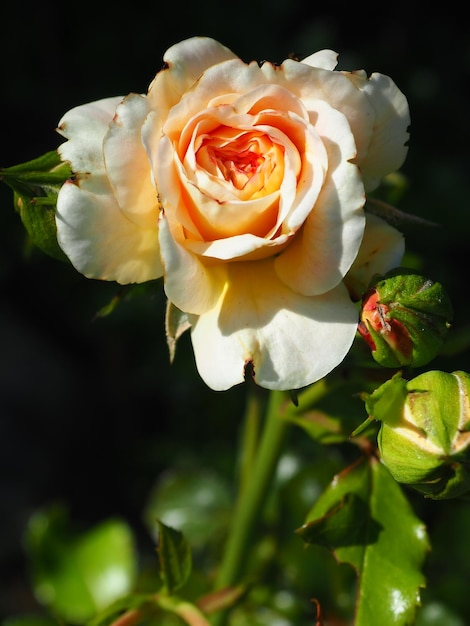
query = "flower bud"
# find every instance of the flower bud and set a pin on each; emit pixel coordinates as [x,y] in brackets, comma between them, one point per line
[404,318]
[424,438]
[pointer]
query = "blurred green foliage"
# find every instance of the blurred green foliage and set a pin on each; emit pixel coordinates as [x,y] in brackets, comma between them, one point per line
[92,415]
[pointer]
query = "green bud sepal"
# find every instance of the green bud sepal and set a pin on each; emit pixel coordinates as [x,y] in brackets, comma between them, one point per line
[424,437]
[35,186]
[405,318]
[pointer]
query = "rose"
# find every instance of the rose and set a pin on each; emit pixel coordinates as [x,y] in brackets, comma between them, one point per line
[243,185]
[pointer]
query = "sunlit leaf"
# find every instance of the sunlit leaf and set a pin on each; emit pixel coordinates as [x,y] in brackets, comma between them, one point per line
[78,574]
[365,519]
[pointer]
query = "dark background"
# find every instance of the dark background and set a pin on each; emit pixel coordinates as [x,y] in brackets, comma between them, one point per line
[91,410]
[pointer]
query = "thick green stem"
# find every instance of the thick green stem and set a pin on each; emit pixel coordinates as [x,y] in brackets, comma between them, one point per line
[250,438]
[253,495]
[256,479]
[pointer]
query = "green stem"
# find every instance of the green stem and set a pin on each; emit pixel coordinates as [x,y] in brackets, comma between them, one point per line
[257,475]
[250,438]
[252,497]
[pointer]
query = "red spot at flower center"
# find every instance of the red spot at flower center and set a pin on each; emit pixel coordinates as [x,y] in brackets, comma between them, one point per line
[238,166]
[247,161]
[239,156]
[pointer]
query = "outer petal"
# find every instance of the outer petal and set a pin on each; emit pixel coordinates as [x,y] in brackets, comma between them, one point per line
[387,149]
[184,64]
[292,340]
[100,240]
[324,250]
[85,127]
[190,284]
[217,84]
[381,250]
[312,84]
[127,164]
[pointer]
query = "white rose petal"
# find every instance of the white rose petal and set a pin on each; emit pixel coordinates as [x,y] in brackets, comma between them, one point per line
[85,127]
[101,241]
[126,161]
[190,284]
[382,249]
[283,334]
[387,148]
[93,230]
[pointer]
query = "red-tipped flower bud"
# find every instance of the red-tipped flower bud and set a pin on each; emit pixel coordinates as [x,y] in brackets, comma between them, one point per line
[405,318]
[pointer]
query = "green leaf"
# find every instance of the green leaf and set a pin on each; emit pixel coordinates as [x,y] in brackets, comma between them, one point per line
[38,218]
[35,185]
[195,500]
[365,519]
[333,417]
[76,575]
[174,556]
[321,426]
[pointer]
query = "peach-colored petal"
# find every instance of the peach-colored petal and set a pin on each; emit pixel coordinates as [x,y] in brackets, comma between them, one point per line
[221,210]
[209,201]
[193,286]
[127,164]
[387,148]
[185,62]
[166,161]
[381,250]
[292,340]
[270,97]
[219,84]
[245,247]
[100,240]
[85,127]
[217,218]
[312,84]
[323,251]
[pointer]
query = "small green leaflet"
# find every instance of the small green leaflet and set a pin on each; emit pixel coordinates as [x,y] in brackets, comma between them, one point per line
[174,557]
